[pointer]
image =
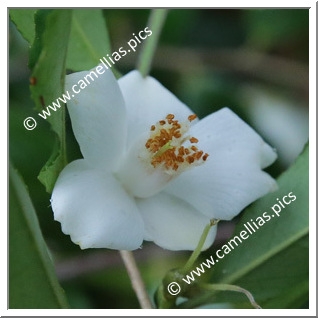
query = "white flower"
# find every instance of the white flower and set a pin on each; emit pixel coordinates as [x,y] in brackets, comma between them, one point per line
[136,183]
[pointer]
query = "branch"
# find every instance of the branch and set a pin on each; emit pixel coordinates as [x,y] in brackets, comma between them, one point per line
[250,63]
[136,280]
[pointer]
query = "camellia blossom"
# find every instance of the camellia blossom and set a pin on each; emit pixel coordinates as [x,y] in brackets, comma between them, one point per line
[151,170]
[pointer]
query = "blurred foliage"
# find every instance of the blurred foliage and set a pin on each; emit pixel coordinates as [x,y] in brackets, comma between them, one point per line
[282,36]
[281,30]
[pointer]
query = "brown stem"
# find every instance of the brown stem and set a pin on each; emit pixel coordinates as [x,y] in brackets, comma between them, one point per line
[136,280]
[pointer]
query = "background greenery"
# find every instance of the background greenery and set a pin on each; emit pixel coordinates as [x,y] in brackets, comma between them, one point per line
[253,61]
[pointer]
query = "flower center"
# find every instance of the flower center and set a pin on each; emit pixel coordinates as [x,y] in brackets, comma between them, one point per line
[167,148]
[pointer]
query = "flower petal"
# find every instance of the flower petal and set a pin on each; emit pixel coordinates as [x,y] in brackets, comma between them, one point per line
[231,178]
[147,102]
[94,210]
[98,117]
[173,223]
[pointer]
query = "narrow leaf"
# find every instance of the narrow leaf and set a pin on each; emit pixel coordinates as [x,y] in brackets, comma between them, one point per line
[32,278]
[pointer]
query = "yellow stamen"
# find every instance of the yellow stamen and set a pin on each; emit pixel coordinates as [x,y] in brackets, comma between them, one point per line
[177,157]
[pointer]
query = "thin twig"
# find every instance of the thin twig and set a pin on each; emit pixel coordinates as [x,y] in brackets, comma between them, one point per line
[227,287]
[252,64]
[136,280]
[156,21]
[89,261]
[198,249]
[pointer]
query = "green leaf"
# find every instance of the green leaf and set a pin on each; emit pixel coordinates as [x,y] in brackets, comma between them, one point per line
[47,58]
[89,40]
[273,262]
[32,279]
[24,21]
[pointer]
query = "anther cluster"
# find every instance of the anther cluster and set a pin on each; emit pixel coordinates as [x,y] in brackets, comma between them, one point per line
[166,145]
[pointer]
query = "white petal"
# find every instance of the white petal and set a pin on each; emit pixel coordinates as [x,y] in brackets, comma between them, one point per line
[173,223]
[231,178]
[94,210]
[147,102]
[98,117]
